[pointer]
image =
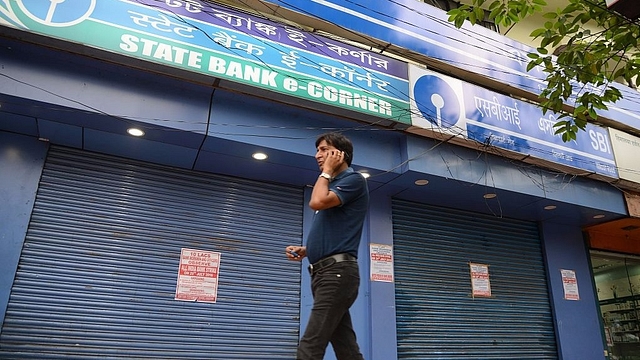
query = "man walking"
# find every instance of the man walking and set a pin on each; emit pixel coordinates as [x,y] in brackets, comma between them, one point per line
[340,198]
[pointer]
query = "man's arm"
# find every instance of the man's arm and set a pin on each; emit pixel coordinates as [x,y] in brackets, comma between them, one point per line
[321,197]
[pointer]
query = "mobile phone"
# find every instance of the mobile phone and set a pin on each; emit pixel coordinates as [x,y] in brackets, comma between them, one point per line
[346,156]
[295,254]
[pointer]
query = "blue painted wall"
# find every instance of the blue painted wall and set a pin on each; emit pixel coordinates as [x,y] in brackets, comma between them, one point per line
[382,295]
[21,162]
[577,323]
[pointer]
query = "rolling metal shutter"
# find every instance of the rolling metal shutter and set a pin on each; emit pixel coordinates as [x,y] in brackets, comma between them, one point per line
[437,318]
[97,274]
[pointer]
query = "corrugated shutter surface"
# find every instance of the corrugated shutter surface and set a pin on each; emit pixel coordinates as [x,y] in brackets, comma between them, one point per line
[437,318]
[98,271]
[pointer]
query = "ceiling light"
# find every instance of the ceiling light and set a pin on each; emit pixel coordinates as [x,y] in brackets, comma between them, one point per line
[259,156]
[489,196]
[550,207]
[599,216]
[135,132]
[421,182]
[365,174]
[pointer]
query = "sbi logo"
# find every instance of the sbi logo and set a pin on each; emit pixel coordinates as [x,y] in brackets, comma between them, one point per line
[437,101]
[599,141]
[57,13]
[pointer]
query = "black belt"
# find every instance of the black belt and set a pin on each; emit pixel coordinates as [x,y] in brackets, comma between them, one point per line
[330,260]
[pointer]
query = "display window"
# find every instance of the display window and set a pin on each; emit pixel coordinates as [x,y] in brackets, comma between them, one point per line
[617,279]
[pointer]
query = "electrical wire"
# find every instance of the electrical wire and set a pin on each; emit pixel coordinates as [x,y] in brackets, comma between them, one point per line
[368,126]
[532,89]
[475,34]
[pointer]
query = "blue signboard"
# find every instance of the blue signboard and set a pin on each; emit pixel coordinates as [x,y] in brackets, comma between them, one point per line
[444,104]
[213,40]
[425,29]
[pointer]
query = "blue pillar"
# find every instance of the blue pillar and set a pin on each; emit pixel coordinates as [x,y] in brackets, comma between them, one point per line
[577,323]
[21,162]
[384,344]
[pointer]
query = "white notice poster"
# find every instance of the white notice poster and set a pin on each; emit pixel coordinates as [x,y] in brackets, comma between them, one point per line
[198,276]
[381,257]
[570,285]
[625,149]
[480,284]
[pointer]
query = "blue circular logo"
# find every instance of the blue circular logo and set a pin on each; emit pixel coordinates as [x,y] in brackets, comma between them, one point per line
[437,101]
[57,13]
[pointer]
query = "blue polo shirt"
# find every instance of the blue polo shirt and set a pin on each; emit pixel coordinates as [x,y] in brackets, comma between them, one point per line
[339,229]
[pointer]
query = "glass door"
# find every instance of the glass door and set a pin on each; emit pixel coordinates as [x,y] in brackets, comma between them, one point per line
[617,280]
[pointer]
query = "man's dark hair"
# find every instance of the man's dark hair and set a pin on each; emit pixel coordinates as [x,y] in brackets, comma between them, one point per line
[340,142]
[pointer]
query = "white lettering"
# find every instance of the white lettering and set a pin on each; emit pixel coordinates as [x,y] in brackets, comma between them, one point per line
[373,106]
[147,46]
[180,53]
[235,70]
[331,93]
[248,72]
[269,78]
[594,143]
[163,52]
[599,141]
[216,65]
[314,89]
[360,101]
[160,51]
[252,74]
[290,84]
[129,43]
[195,59]
[604,167]
[385,107]
[560,155]
[346,98]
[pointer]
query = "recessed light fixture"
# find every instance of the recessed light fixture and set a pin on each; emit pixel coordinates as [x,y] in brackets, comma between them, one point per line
[365,174]
[135,132]
[550,207]
[599,216]
[421,182]
[489,195]
[259,156]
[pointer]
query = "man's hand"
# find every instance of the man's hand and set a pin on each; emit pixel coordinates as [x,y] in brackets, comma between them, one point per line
[333,161]
[296,253]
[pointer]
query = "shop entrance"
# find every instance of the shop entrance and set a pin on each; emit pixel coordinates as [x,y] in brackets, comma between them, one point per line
[617,279]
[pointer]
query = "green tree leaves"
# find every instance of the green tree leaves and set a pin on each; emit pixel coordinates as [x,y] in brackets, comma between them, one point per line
[578,79]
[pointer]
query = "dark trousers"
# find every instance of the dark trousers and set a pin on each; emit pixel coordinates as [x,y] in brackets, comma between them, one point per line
[334,290]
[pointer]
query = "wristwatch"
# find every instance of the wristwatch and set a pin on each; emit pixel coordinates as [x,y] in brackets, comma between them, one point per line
[326,176]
